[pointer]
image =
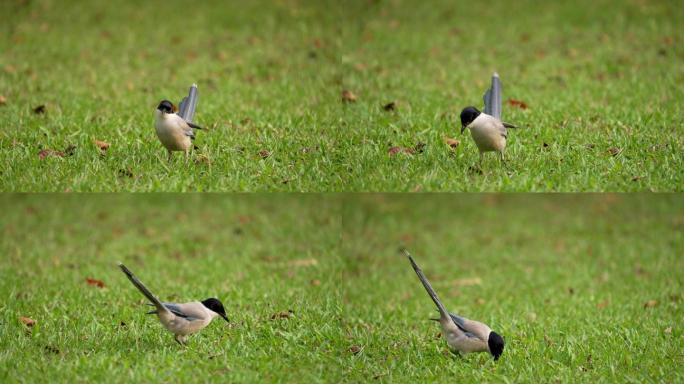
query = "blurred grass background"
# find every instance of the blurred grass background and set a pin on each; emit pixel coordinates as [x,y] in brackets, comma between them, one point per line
[582,287]
[272,261]
[602,79]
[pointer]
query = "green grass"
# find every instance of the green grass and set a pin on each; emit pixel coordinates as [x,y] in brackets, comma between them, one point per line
[563,278]
[260,255]
[596,75]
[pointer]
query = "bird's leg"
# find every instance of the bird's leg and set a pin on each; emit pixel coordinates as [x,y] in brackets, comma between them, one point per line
[187,156]
[179,340]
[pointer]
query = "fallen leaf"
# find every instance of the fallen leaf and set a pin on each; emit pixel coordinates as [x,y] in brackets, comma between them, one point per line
[348,96]
[51,349]
[315,282]
[668,330]
[467,281]
[95,282]
[355,349]
[452,143]
[49,152]
[480,301]
[614,151]
[3,100]
[282,315]
[244,219]
[392,106]
[126,172]
[394,150]
[40,109]
[650,303]
[548,340]
[517,103]
[70,150]
[29,322]
[264,154]
[102,145]
[602,304]
[303,263]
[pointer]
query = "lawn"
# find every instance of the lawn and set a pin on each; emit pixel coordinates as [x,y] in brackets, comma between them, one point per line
[583,288]
[263,256]
[602,82]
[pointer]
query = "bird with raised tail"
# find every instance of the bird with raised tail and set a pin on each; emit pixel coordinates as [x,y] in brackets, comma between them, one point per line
[488,131]
[462,335]
[181,319]
[174,127]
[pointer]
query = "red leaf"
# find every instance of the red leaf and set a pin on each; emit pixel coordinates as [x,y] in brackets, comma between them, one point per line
[29,322]
[517,103]
[95,282]
[394,150]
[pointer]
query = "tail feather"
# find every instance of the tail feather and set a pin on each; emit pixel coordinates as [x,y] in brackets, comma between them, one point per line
[142,288]
[189,104]
[431,292]
[492,98]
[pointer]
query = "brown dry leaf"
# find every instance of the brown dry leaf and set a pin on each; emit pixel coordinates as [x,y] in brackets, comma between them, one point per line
[480,301]
[29,322]
[650,303]
[517,103]
[315,282]
[355,349]
[102,145]
[668,330]
[40,109]
[467,281]
[202,159]
[127,172]
[95,282]
[264,153]
[614,151]
[452,143]
[49,152]
[3,100]
[282,315]
[303,263]
[394,150]
[548,340]
[348,96]
[602,304]
[391,106]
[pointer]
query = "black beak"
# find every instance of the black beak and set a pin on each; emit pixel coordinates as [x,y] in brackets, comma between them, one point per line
[225,318]
[463,127]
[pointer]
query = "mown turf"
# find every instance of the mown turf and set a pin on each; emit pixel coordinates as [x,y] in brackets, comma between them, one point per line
[261,255]
[602,80]
[583,288]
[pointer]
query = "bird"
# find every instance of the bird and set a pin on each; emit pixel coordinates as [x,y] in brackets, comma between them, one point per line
[486,128]
[181,319]
[462,335]
[175,128]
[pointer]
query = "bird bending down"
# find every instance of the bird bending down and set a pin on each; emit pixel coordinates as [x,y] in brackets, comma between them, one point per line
[462,335]
[181,319]
[173,131]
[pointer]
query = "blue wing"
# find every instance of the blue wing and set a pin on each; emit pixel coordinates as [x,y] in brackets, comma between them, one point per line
[176,310]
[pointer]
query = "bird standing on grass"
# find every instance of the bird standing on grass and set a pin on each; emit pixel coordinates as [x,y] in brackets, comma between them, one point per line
[181,319]
[486,128]
[462,335]
[175,128]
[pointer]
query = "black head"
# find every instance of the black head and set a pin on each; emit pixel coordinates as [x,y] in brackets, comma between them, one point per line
[166,106]
[496,344]
[216,306]
[468,114]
